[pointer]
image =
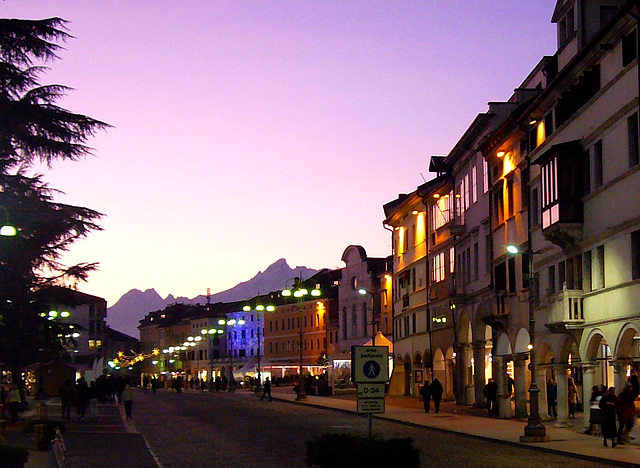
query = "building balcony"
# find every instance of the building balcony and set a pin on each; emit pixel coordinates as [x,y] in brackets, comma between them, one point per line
[565,310]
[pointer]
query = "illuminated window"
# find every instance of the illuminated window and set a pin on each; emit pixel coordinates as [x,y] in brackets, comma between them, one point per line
[485,176]
[441,211]
[550,209]
[438,267]
[452,259]
[92,344]
[474,184]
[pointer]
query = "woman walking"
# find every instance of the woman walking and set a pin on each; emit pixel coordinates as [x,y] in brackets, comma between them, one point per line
[608,407]
[573,397]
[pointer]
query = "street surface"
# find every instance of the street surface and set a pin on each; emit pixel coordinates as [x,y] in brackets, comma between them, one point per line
[240,430]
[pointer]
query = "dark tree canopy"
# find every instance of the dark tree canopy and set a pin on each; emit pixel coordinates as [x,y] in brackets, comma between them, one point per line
[33,127]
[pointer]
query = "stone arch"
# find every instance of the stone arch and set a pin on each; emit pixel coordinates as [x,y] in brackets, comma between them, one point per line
[464,329]
[407,374]
[625,346]
[503,346]
[597,350]
[522,341]
[439,366]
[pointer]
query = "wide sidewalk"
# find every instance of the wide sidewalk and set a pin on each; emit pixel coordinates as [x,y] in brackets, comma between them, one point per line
[92,443]
[475,422]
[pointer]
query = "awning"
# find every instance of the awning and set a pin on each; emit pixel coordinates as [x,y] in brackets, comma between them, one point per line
[381,340]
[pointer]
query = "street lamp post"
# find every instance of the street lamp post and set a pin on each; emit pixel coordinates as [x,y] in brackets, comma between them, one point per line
[299,292]
[373,322]
[534,431]
[231,323]
[260,309]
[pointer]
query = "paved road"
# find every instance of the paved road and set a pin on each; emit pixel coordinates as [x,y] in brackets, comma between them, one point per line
[234,430]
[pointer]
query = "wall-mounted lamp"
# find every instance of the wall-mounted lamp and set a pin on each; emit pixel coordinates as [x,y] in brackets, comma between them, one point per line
[500,153]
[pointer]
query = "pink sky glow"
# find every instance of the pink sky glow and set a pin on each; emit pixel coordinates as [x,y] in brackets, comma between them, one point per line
[249,131]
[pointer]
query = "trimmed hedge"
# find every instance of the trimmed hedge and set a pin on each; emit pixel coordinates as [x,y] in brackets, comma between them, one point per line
[13,456]
[347,451]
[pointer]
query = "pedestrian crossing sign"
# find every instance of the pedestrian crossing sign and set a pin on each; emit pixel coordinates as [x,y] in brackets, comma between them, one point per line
[370,364]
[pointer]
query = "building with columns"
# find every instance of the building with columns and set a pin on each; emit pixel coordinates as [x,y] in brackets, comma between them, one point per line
[551,171]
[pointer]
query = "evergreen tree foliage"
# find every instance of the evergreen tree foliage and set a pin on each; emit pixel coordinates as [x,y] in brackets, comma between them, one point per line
[34,128]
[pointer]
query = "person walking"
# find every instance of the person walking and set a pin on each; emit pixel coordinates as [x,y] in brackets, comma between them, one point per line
[436,394]
[266,389]
[572,390]
[490,392]
[625,408]
[127,399]
[595,413]
[82,396]
[92,395]
[425,392]
[14,402]
[608,407]
[67,395]
[552,398]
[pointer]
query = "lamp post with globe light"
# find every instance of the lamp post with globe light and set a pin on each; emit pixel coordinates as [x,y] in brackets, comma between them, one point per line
[260,309]
[211,333]
[534,431]
[230,323]
[300,292]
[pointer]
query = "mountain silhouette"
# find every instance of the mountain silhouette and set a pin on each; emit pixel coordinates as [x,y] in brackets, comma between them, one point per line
[127,312]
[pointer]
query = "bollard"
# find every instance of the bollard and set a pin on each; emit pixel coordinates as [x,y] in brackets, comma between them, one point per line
[40,437]
[41,411]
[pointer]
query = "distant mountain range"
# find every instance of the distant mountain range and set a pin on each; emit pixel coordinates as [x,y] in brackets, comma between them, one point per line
[126,314]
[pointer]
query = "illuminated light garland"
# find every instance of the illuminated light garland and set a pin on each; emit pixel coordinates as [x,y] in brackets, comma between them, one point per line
[125,361]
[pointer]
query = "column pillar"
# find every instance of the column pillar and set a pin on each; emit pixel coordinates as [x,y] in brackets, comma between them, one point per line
[588,381]
[479,381]
[520,390]
[620,373]
[504,401]
[562,377]
[464,392]
[541,381]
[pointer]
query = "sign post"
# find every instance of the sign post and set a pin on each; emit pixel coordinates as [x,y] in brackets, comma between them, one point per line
[370,371]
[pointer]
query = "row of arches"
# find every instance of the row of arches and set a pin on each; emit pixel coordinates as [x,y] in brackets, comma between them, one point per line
[604,355]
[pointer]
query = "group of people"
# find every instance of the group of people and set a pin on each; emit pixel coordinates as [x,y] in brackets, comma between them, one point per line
[613,415]
[430,392]
[85,395]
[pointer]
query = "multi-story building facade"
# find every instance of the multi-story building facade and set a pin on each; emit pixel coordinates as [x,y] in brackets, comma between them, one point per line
[412,345]
[86,314]
[364,307]
[298,334]
[549,171]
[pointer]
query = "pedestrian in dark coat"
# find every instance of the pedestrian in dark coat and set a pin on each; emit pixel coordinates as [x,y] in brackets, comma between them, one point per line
[67,394]
[608,406]
[626,409]
[552,398]
[490,392]
[82,396]
[425,392]
[266,389]
[436,394]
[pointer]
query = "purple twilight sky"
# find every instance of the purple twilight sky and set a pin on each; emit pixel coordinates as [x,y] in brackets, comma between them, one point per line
[249,131]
